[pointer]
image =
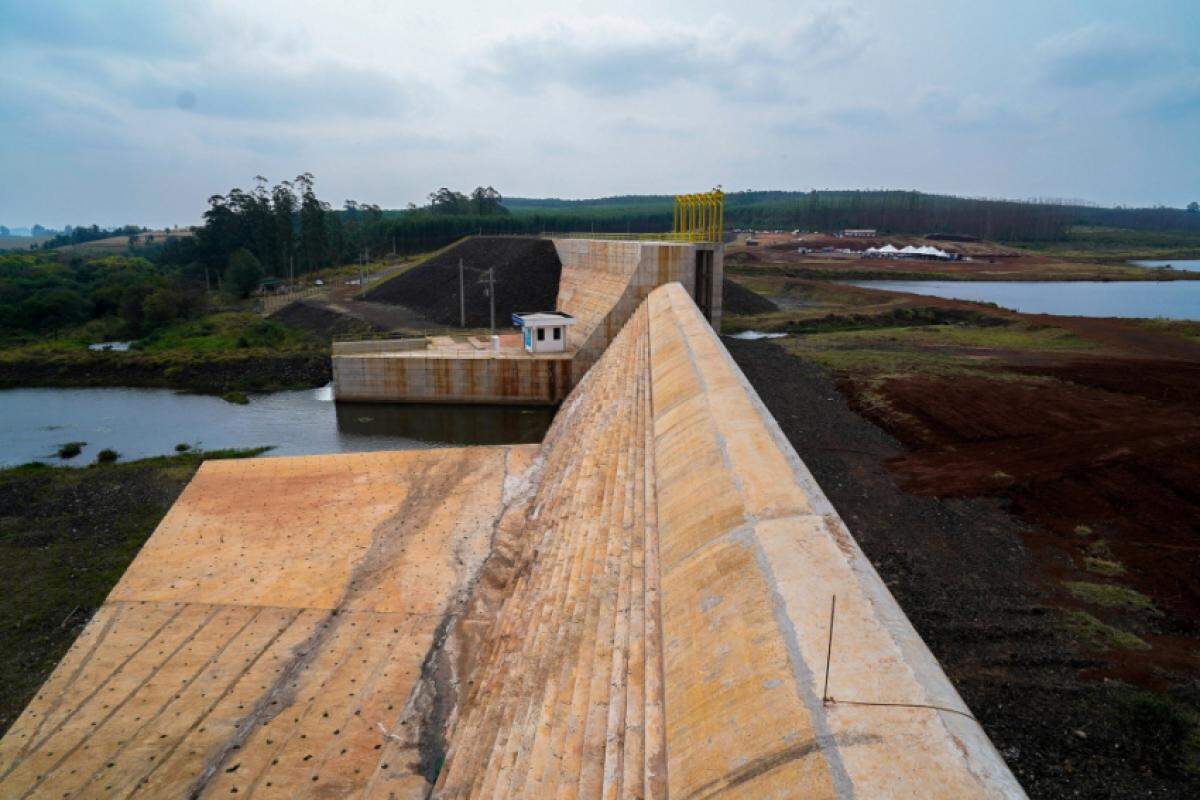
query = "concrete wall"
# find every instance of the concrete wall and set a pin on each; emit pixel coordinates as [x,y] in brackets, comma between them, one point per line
[604,281]
[749,543]
[380,346]
[479,379]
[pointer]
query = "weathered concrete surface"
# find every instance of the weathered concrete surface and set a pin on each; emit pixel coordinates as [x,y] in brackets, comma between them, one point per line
[664,628]
[453,376]
[636,608]
[271,636]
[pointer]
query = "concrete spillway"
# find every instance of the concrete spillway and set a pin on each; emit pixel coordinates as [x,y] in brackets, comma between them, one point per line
[638,608]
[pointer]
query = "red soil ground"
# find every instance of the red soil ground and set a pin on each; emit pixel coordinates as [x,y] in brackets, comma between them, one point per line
[1098,449]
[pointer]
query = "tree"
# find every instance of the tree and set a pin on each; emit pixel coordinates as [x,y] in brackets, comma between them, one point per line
[161,307]
[486,202]
[314,234]
[244,272]
[1193,207]
[447,201]
[283,207]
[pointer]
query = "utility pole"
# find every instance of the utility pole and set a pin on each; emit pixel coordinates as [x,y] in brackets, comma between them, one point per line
[492,296]
[462,298]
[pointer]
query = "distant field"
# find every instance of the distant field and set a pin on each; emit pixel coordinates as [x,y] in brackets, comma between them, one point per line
[120,244]
[20,242]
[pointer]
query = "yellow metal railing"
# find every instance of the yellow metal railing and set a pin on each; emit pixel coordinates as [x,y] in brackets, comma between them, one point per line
[700,217]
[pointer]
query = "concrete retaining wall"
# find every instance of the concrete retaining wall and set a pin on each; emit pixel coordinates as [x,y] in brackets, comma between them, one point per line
[397,379]
[380,346]
[604,281]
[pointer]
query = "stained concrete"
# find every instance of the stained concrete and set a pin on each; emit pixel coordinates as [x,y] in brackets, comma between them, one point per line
[636,608]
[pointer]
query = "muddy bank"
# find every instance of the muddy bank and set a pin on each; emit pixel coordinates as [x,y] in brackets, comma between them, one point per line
[972,577]
[213,374]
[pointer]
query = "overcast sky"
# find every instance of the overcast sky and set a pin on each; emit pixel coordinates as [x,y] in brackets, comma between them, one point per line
[119,112]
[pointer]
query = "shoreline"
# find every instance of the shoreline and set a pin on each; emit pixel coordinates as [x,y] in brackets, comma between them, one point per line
[219,374]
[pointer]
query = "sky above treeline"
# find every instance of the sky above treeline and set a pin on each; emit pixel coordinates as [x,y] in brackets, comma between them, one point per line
[121,112]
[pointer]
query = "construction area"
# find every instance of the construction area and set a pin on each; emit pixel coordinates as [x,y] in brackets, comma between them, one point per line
[656,601]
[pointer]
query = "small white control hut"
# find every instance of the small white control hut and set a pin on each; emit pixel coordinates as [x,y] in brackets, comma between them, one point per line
[544,331]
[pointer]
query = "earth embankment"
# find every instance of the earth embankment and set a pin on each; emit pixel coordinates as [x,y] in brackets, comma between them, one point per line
[526,273]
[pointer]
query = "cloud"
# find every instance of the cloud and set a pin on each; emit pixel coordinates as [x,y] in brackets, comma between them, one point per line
[1173,104]
[166,27]
[859,116]
[309,92]
[611,56]
[1101,54]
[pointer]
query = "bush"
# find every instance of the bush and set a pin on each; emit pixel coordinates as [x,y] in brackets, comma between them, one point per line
[182,447]
[244,272]
[70,449]
[237,398]
[107,456]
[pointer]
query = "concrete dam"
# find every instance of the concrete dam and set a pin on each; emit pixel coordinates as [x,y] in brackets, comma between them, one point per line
[656,602]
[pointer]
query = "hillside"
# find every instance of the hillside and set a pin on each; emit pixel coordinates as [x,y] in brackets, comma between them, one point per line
[526,274]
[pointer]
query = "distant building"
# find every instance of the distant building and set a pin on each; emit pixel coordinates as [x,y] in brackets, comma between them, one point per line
[859,233]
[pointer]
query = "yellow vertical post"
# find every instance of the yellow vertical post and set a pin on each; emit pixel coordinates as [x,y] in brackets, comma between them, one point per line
[721,215]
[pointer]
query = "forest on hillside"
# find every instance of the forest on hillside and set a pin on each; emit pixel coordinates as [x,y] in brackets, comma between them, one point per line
[287,230]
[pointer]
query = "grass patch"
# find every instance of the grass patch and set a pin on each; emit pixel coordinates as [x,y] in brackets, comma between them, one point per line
[1112,596]
[1185,329]
[1103,566]
[225,332]
[1167,737]
[1095,635]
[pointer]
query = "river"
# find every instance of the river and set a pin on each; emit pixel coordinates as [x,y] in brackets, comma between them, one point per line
[148,422]
[1168,299]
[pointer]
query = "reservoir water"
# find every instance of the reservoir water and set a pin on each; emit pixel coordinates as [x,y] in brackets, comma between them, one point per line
[149,422]
[1168,299]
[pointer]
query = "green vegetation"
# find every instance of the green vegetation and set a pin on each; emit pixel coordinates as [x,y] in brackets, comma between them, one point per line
[1120,244]
[893,350]
[1168,737]
[1112,596]
[237,398]
[107,456]
[119,296]
[66,536]
[225,332]
[1103,566]
[244,273]
[70,449]
[1095,635]
[887,211]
